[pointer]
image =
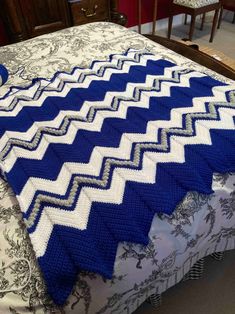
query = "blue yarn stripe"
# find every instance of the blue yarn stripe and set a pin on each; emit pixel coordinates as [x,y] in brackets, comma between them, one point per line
[109,136]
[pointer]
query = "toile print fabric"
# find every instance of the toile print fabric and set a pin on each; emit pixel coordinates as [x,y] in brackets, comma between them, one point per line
[200,225]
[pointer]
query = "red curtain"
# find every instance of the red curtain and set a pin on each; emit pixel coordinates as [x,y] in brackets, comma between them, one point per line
[129,7]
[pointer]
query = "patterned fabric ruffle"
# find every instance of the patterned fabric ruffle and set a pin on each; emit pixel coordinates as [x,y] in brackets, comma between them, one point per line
[195,3]
[196,272]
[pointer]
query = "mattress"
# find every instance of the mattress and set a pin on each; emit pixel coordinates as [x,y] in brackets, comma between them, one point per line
[200,225]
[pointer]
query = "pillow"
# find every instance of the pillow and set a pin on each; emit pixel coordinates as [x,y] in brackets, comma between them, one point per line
[3,75]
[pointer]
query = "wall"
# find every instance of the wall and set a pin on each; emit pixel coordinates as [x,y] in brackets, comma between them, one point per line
[129,7]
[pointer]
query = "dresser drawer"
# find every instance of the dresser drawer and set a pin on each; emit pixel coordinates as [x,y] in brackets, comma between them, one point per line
[86,11]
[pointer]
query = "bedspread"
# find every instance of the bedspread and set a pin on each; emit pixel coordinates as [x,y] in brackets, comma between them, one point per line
[199,226]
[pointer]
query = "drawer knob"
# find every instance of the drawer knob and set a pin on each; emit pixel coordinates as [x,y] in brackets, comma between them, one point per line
[86,12]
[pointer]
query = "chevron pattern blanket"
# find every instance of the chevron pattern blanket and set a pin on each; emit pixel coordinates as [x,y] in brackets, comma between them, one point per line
[94,154]
[3,75]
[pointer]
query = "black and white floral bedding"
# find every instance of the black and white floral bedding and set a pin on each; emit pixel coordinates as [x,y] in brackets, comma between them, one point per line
[199,226]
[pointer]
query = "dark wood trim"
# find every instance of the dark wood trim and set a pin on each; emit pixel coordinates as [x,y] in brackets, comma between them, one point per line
[116,16]
[34,23]
[203,21]
[139,16]
[22,21]
[194,55]
[13,20]
[214,24]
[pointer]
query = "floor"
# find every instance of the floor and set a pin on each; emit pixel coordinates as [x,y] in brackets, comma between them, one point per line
[212,294]
[224,40]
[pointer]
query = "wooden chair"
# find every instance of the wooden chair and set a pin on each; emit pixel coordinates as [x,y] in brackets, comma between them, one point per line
[194,8]
[140,16]
[228,5]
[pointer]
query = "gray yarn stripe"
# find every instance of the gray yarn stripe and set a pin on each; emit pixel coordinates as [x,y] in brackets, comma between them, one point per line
[135,163]
[81,78]
[90,117]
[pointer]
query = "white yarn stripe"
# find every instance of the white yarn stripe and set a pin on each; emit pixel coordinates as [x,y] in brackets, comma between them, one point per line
[55,123]
[79,217]
[96,125]
[68,76]
[85,84]
[60,185]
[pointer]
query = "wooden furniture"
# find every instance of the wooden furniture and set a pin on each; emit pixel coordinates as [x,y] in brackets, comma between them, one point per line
[86,11]
[195,55]
[140,15]
[193,12]
[228,5]
[29,18]
[25,19]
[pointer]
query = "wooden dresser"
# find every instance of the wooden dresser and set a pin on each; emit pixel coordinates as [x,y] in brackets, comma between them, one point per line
[90,10]
[25,19]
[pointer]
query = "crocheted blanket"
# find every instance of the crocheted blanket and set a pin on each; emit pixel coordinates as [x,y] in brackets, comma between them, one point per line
[94,154]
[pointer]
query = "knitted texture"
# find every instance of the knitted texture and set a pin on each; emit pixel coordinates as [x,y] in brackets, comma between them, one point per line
[94,154]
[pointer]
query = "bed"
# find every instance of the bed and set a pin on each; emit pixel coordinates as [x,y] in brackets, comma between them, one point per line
[200,225]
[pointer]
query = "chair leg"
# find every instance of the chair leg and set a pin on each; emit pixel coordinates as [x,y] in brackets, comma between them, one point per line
[192,26]
[185,19]
[170,25]
[154,17]
[215,21]
[234,18]
[220,16]
[139,16]
[203,21]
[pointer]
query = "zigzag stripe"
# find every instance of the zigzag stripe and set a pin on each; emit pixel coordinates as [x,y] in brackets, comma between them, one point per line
[135,101]
[83,111]
[86,117]
[87,137]
[61,77]
[162,146]
[80,79]
[78,218]
[122,152]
